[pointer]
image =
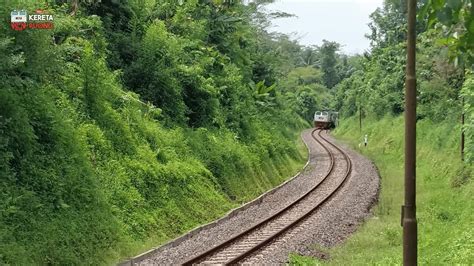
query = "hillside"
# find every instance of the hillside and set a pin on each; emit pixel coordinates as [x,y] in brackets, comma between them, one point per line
[110,147]
[131,122]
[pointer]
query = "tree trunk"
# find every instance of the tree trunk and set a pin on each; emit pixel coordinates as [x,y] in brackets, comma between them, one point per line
[74,7]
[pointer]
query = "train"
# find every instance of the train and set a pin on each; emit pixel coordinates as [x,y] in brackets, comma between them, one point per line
[325,119]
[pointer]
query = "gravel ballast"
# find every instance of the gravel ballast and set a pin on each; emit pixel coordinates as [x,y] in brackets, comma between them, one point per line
[330,225]
[334,222]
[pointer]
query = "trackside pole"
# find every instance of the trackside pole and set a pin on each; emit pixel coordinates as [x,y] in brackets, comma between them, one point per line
[409,222]
[462,129]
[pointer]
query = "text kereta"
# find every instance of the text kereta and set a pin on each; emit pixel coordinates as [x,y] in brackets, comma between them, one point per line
[40,17]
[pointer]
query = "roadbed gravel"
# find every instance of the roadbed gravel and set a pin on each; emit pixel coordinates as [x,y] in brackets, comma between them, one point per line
[335,221]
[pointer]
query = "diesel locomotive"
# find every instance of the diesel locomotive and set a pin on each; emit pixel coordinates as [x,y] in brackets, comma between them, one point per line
[325,119]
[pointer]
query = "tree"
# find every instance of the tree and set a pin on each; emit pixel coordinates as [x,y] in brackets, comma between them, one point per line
[388,24]
[458,18]
[309,57]
[327,53]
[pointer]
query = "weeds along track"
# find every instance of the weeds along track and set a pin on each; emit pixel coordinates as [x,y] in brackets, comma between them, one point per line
[243,245]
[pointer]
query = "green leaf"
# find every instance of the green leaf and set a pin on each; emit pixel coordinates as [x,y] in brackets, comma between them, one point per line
[272,87]
[431,19]
[454,4]
[445,16]
[424,10]
[438,4]
[446,41]
[470,26]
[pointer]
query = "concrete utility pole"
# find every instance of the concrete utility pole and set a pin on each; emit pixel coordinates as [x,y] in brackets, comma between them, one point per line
[409,209]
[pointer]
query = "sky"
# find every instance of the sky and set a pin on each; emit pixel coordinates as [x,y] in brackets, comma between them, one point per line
[343,21]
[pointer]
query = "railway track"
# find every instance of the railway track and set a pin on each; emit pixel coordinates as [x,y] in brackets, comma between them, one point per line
[246,243]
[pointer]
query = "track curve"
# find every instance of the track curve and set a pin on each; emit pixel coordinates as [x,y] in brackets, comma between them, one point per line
[242,245]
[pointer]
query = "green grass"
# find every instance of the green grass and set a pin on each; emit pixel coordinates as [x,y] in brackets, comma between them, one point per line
[444,197]
[269,175]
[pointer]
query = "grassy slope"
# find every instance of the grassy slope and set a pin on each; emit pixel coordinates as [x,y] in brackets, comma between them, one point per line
[444,197]
[269,175]
[89,176]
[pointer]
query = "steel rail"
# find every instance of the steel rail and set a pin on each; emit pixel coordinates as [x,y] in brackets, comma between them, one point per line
[203,255]
[303,217]
[215,249]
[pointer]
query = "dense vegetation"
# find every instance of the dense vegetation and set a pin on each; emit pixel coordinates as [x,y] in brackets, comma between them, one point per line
[375,92]
[444,67]
[134,121]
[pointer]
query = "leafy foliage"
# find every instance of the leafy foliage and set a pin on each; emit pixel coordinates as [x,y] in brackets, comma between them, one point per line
[458,18]
[328,63]
[375,86]
[132,122]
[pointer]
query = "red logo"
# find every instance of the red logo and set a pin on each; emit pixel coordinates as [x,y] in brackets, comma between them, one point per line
[19,26]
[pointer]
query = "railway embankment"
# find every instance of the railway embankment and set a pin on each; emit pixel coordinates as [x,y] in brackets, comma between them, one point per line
[335,219]
[444,196]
